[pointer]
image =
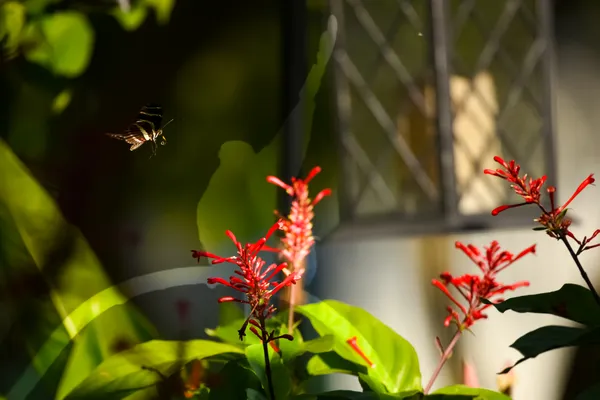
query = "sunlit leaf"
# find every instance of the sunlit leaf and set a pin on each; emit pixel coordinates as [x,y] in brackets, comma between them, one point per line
[162,8]
[229,333]
[551,337]
[331,363]
[61,101]
[68,40]
[573,302]
[33,227]
[123,371]
[282,382]
[295,348]
[12,21]
[462,392]
[132,19]
[395,362]
[38,6]
[349,395]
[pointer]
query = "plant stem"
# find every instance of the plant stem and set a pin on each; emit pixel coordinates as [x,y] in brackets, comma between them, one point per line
[443,360]
[584,275]
[291,309]
[265,343]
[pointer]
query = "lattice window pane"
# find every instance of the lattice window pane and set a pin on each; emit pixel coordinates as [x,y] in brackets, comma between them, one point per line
[497,45]
[486,62]
[391,150]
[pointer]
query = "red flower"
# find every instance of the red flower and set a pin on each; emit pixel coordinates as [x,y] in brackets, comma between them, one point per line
[298,225]
[553,220]
[253,280]
[474,288]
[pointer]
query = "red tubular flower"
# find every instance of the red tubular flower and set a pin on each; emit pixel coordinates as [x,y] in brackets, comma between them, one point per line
[473,288]
[353,343]
[298,225]
[554,220]
[253,280]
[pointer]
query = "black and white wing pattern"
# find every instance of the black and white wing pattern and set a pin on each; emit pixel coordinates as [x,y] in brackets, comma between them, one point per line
[146,128]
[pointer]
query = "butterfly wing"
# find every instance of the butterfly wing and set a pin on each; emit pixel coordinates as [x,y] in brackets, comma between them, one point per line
[134,138]
[150,117]
[144,129]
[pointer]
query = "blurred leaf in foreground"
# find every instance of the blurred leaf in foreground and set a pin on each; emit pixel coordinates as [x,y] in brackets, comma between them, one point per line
[77,288]
[67,42]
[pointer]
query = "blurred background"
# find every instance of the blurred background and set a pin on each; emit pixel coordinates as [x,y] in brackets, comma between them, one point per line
[402,114]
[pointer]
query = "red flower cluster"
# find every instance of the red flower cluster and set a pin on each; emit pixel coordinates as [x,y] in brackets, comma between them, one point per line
[554,220]
[253,280]
[298,225]
[474,288]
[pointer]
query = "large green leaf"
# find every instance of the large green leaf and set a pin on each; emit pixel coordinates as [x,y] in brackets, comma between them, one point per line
[238,198]
[67,44]
[462,392]
[230,312]
[230,333]
[395,362]
[350,395]
[32,230]
[553,337]
[235,378]
[12,22]
[573,302]
[162,8]
[331,363]
[282,381]
[290,349]
[123,372]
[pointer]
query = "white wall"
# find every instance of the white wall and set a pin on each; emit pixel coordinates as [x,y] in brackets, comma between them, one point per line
[385,275]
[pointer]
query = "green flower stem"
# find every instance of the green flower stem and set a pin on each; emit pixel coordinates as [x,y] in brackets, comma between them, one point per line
[265,343]
[584,275]
[445,356]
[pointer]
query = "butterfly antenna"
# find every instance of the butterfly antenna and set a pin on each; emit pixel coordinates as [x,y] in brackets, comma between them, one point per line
[167,124]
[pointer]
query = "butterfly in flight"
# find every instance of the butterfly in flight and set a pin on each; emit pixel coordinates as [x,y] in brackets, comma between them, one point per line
[146,128]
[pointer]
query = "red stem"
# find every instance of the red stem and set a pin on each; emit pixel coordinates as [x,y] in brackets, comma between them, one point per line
[443,360]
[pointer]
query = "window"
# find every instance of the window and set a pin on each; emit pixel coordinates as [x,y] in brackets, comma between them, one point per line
[427,92]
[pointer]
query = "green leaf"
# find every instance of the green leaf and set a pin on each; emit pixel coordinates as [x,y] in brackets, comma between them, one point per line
[61,101]
[253,394]
[162,8]
[349,395]
[290,349]
[38,6]
[230,333]
[331,363]
[229,313]
[12,22]
[235,378]
[573,302]
[371,385]
[238,197]
[460,392]
[123,371]
[395,362]
[77,323]
[552,337]
[282,381]
[591,393]
[132,19]
[68,43]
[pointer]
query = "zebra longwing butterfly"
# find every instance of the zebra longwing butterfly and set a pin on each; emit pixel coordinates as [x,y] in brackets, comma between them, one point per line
[146,128]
